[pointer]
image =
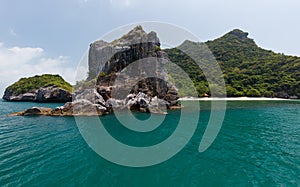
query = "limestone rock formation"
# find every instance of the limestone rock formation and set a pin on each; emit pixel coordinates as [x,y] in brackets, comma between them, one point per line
[133,63]
[130,74]
[44,94]
[112,57]
[90,103]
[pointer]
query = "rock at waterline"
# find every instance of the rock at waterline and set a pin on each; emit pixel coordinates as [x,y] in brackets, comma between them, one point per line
[44,88]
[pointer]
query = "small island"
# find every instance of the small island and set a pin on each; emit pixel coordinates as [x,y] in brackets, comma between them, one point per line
[40,88]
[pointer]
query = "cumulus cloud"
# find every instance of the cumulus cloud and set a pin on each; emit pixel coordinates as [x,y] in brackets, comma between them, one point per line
[17,62]
[122,3]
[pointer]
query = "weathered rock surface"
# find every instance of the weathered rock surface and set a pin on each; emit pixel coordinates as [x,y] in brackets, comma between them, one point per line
[113,57]
[45,94]
[33,111]
[97,106]
[149,76]
[79,107]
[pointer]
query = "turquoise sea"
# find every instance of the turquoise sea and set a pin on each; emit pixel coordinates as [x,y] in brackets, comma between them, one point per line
[258,145]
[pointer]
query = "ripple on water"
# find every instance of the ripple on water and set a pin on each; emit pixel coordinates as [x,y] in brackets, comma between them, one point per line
[258,145]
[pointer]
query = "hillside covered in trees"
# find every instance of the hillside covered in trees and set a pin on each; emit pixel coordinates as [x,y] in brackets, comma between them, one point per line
[36,82]
[40,88]
[248,69]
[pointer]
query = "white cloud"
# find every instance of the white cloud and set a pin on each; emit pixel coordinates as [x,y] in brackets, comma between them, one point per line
[122,3]
[12,32]
[17,62]
[83,1]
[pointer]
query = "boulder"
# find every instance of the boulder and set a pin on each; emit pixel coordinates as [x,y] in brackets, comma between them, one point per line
[34,111]
[114,103]
[158,106]
[52,94]
[91,95]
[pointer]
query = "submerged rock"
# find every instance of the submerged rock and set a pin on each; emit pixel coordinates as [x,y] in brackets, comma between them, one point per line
[34,111]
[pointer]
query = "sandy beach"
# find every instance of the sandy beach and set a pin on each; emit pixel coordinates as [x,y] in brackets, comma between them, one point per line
[233,99]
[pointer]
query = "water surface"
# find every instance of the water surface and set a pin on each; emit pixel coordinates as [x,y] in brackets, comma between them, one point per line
[258,145]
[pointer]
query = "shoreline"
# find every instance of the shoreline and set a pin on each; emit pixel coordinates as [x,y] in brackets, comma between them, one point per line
[233,99]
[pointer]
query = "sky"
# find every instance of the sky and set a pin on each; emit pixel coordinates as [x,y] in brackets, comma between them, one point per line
[52,36]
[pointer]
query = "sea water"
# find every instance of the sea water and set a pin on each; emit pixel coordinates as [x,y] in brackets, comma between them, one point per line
[258,145]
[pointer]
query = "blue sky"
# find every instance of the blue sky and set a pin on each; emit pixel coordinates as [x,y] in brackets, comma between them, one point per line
[51,36]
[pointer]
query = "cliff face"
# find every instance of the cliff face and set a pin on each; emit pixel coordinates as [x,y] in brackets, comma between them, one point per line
[44,95]
[112,57]
[115,65]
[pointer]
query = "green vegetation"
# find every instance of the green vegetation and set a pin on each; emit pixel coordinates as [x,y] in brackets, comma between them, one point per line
[33,83]
[157,48]
[248,69]
[102,74]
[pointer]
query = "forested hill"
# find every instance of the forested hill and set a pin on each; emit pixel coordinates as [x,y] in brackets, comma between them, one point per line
[248,69]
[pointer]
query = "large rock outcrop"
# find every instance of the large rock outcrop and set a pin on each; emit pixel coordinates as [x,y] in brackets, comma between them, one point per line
[112,57]
[136,60]
[97,106]
[130,75]
[44,94]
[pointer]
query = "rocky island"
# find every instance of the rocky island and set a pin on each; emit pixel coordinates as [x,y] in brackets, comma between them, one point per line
[119,83]
[40,88]
[115,81]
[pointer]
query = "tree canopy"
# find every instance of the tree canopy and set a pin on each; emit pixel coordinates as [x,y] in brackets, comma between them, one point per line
[248,70]
[33,83]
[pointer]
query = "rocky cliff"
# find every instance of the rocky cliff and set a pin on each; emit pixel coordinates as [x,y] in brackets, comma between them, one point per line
[129,74]
[113,57]
[135,66]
